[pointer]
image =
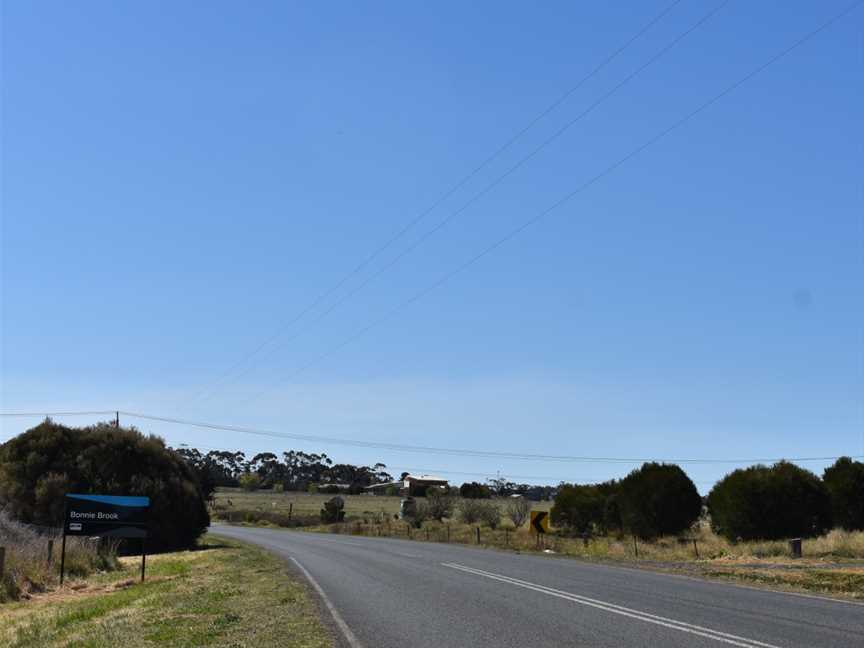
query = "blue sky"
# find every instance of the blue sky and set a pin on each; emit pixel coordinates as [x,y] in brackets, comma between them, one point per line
[179,181]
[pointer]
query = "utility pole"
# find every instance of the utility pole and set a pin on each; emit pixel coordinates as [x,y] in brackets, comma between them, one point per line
[117,419]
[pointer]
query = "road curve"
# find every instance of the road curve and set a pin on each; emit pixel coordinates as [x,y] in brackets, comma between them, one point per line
[397,593]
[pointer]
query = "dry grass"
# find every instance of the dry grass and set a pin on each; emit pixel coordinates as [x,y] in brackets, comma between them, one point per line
[29,568]
[225,594]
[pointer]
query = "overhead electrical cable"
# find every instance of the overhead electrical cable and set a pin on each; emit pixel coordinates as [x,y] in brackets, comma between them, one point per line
[446,195]
[398,447]
[499,179]
[513,233]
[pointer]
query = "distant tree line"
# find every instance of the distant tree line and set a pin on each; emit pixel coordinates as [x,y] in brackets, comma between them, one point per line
[294,470]
[759,502]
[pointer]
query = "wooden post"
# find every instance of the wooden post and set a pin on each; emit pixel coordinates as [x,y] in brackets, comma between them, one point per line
[50,551]
[695,548]
[63,555]
[408,530]
[635,546]
[290,509]
[795,547]
[478,535]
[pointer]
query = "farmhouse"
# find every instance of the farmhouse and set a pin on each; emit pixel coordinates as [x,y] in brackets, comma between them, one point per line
[408,485]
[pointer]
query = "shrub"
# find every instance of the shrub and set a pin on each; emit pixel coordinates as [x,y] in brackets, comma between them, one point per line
[762,503]
[392,490]
[39,466]
[518,509]
[845,483]
[333,510]
[578,508]
[658,499]
[250,481]
[474,511]
[474,490]
[278,487]
[437,505]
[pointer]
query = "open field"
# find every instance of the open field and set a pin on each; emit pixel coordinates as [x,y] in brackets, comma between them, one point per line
[305,504]
[225,594]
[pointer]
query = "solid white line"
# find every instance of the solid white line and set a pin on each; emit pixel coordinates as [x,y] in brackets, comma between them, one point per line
[346,631]
[681,626]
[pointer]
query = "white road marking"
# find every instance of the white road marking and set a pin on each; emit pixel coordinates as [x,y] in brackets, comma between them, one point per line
[681,626]
[340,622]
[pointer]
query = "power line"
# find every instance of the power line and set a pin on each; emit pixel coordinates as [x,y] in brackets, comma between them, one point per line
[521,456]
[499,179]
[34,414]
[569,196]
[446,195]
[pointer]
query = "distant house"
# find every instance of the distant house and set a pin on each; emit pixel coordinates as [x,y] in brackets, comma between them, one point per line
[417,484]
[409,485]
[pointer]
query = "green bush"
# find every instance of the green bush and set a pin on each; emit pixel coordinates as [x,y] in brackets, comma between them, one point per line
[38,467]
[333,510]
[762,503]
[578,508]
[474,490]
[658,499]
[845,483]
[250,481]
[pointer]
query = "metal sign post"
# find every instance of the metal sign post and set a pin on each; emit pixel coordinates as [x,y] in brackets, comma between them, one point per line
[105,516]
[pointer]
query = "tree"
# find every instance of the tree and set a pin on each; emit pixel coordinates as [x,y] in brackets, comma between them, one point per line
[762,503]
[578,508]
[845,483]
[500,487]
[658,499]
[38,467]
[518,509]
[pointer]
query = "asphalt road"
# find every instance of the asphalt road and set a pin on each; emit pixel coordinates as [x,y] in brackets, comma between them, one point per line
[398,593]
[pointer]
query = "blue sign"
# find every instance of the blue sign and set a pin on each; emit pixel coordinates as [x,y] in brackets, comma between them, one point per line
[111,516]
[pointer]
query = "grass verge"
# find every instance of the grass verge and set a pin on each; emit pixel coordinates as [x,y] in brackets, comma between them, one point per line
[225,594]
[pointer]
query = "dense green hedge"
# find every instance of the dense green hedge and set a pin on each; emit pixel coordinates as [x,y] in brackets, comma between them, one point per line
[845,483]
[770,503]
[38,467]
[654,500]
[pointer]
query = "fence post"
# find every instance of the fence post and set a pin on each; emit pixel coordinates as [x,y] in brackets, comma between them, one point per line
[695,547]
[290,509]
[478,535]
[2,561]
[50,551]
[635,546]
[408,530]
[795,547]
